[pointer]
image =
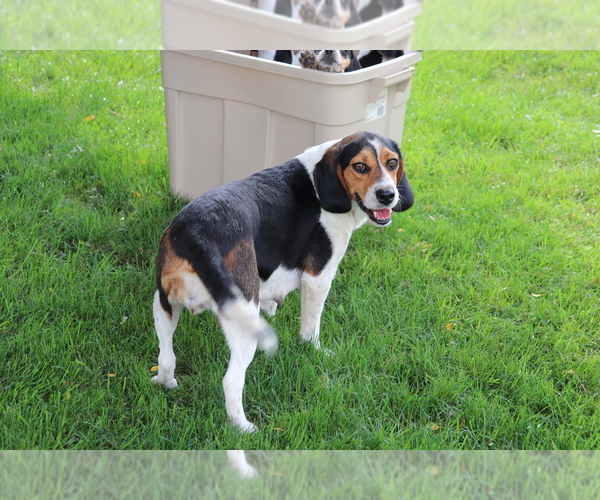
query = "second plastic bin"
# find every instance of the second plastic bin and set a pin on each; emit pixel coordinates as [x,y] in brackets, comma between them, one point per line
[230,115]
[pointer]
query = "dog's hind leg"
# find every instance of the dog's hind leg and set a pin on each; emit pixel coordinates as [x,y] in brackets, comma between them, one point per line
[237,460]
[165,325]
[242,325]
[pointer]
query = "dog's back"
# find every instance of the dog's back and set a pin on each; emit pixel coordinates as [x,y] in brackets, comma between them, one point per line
[262,217]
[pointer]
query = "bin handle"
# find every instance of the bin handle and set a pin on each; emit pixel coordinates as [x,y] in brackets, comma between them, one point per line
[392,37]
[377,83]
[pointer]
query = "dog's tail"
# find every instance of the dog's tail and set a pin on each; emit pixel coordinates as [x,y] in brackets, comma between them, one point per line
[245,316]
[177,273]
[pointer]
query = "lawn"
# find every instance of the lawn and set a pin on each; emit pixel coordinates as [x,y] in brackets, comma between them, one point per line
[443,24]
[318,475]
[508,24]
[80,24]
[470,323]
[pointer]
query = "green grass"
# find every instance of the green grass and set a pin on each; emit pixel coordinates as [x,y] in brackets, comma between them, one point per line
[508,24]
[443,24]
[471,323]
[79,24]
[298,475]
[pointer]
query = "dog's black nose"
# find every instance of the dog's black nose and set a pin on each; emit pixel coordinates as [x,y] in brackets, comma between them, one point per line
[385,196]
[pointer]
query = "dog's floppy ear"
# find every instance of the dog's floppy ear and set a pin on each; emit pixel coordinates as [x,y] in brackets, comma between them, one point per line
[284,56]
[332,194]
[354,62]
[406,198]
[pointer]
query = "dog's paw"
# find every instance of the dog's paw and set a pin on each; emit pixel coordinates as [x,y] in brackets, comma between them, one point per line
[248,472]
[248,428]
[238,462]
[308,12]
[170,384]
[307,59]
[244,426]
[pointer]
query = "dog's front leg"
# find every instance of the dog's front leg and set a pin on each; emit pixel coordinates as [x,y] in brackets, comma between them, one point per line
[314,290]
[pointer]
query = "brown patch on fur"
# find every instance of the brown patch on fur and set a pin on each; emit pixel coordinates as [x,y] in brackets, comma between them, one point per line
[241,262]
[311,266]
[171,270]
[346,61]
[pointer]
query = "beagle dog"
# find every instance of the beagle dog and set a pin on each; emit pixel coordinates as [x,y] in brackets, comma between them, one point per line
[244,246]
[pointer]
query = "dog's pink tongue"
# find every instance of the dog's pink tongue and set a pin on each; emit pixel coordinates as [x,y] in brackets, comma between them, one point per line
[383,214]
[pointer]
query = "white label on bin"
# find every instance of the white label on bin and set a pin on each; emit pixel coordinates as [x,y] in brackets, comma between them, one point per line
[377,109]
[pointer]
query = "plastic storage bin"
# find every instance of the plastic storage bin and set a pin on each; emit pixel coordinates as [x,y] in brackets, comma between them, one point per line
[230,115]
[221,24]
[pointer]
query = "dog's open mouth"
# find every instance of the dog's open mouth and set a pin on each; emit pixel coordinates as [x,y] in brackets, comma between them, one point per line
[381,216]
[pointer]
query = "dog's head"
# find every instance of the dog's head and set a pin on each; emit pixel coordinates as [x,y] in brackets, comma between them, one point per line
[331,61]
[336,61]
[365,168]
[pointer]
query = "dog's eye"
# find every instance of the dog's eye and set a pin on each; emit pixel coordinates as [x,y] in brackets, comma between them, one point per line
[361,168]
[392,163]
